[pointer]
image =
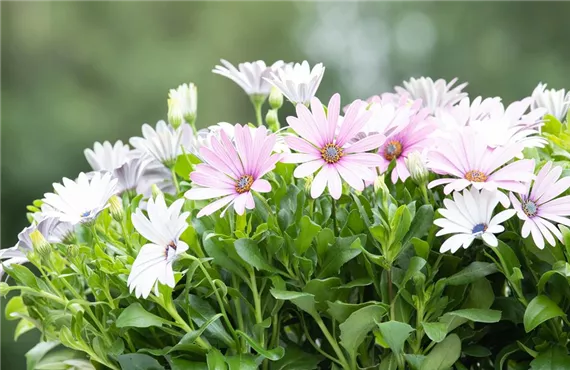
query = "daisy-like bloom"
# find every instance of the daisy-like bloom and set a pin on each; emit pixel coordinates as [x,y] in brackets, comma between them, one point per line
[204,136]
[412,136]
[298,82]
[466,157]
[469,216]
[334,154]
[107,157]
[434,94]
[232,169]
[250,76]
[80,201]
[162,228]
[52,229]
[127,166]
[182,104]
[163,144]
[539,208]
[556,102]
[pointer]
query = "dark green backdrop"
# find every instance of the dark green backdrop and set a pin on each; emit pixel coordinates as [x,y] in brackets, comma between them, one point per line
[77,72]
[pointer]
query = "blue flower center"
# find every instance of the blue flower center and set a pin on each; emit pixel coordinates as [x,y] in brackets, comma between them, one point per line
[244,183]
[331,153]
[529,208]
[479,228]
[86,214]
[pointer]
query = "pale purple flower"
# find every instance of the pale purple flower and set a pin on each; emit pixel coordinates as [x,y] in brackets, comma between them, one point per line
[466,157]
[555,102]
[250,76]
[469,216]
[298,82]
[539,208]
[232,169]
[330,151]
[434,94]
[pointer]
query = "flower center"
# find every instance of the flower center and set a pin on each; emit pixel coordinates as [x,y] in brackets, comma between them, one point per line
[479,228]
[244,184]
[476,176]
[170,250]
[86,214]
[331,153]
[392,150]
[529,208]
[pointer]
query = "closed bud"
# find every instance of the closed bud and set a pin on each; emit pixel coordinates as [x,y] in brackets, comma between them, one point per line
[40,244]
[155,191]
[182,104]
[417,168]
[308,183]
[272,120]
[275,98]
[116,208]
[72,251]
[379,183]
[4,288]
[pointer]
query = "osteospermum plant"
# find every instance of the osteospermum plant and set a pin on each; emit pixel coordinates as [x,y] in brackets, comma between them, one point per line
[420,229]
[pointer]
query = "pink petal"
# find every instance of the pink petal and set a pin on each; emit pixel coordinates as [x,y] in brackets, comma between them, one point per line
[438,182]
[301,145]
[366,144]
[299,157]
[366,159]
[350,177]
[207,193]
[320,182]
[308,168]
[239,203]
[334,183]
[261,186]
[214,206]
[333,113]
[249,202]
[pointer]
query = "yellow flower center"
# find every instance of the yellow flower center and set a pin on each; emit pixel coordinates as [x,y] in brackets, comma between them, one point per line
[476,176]
[392,150]
[244,184]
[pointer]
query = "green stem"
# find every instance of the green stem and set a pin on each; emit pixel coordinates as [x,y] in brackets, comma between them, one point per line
[257,304]
[175,179]
[425,194]
[184,325]
[333,215]
[318,348]
[257,101]
[332,342]
[391,294]
[239,314]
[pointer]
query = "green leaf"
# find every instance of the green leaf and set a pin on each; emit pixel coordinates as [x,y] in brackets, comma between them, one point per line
[304,301]
[357,326]
[136,316]
[201,312]
[415,361]
[296,359]
[138,361]
[471,273]
[190,338]
[554,358]
[344,250]
[444,354]
[323,290]
[389,362]
[241,362]
[476,350]
[477,314]
[422,222]
[24,326]
[34,355]
[421,247]
[273,354]
[309,230]
[540,309]
[15,308]
[551,125]
[400,224]
[181,364]
[340,311]
[249,251]
[22,275]
[561,268]
[216,360]
[436,331]
[218,250]
[415,266]
[395,334]
[184,164]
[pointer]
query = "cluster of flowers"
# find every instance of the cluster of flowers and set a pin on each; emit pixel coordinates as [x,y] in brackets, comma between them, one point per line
[474,148]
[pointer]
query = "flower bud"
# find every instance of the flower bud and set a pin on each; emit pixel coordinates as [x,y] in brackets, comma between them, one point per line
[275,98]
[272,120]
[417,168]
[182,104]
[379,183]
[116,208]
[308,183]
[72,251]
[155,191]
[40,244]
[4,288]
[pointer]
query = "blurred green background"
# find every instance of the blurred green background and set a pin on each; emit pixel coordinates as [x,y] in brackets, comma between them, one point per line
[77,72]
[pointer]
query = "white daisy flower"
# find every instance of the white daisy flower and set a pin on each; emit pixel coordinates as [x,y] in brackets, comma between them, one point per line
[156,174]
[163,144]
[556,102]
[434,94]
[53,230]
[107,157]
[126,165]
[250,75]
[469,217]
[204,135]
[162,228]
[80,201]
[182,104]
[298,82]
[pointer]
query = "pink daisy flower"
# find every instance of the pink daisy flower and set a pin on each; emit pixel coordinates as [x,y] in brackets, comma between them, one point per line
[466,157]
[322,147]
[413,136]
[540,210]
[232,169]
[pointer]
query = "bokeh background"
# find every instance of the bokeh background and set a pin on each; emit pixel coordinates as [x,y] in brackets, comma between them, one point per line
[77,72]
